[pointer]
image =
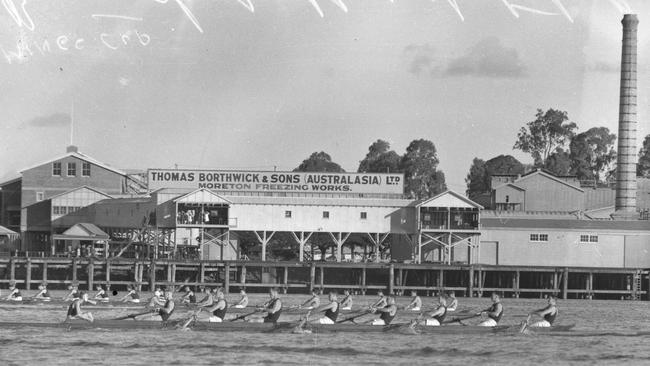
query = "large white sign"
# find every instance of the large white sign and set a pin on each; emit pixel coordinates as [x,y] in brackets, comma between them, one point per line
[257,181]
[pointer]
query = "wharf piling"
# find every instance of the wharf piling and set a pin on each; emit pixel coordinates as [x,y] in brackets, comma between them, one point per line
[300,277]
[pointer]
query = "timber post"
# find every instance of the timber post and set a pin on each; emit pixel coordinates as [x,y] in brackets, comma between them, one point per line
[226,278]
[28,277]
[91,274]
[312,276]
[74,270]
[470,285]
[391,278]
[565,283]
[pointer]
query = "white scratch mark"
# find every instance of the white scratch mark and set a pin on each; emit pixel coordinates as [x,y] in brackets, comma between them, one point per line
[125,17]
[187,12]
[558,3]
[514,7]
[248,4]
[27,21]
[341,5]
[622,6]
[314,3]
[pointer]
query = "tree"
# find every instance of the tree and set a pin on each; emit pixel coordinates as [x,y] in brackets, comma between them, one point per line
[592,153]
[559,163]
[480,173]
[549,132]
[419,164]
[380,159]
[643,167]
[319,162]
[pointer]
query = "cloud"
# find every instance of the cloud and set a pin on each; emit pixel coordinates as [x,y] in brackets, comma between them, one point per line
[421,59]
[488,58]
[604,67]
[53,120]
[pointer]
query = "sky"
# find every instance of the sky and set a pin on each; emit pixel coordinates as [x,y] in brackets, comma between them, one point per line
[260,85]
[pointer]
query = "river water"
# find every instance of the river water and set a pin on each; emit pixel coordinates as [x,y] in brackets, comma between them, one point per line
[606,332]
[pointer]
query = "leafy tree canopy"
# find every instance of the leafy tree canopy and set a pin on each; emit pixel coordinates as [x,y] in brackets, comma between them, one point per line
[547,134]
[319,162]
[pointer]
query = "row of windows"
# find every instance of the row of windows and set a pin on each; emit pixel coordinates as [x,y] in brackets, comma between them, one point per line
[539,237]
[326,215]
[72,169]
[542,238]
[64,210]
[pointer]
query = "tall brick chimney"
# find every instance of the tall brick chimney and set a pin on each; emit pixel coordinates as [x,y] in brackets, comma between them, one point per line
[627,153]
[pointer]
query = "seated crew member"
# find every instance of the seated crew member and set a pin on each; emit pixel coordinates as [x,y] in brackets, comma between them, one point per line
[208,299]
[547,314]
[14,293]
[219,309]
[416,302]
[494,312]
[453,301]
[158,292]
[387,313]
[166,311]
[331,310]
[43,294]
[273,308]
[73,294]
[313,302]
[101,294]
[131,296]
[346,303]
[381,302]
[74,309]
[189,297]
[243,301]
[436,317]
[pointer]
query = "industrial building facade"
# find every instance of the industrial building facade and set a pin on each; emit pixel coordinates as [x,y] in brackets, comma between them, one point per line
[223,215]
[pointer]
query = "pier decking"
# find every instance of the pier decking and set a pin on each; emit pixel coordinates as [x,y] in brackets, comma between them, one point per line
[297,277]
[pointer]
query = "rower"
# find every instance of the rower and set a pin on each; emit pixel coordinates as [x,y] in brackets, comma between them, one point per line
[547,314]
[43,294]
[159,293]
[101,295]
[494,312]
[189,297]
[387,313]
[74,309]
[219,309]
[14,293]
[208,299]
[157,300]
[436,317]
[346,303]
[273,308]
[131,296]
[74,293]
[313,302]
[166,311]
[416,302]
[331,310]
[243,301]
[381,302]
[453,301]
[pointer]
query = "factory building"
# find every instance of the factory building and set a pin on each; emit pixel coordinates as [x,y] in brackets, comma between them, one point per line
[226,215]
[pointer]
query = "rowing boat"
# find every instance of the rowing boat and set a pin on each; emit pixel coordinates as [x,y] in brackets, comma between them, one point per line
[270,327]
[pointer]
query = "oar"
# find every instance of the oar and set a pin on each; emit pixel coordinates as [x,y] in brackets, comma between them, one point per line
[244,316]
[133,316]
[190,319]
[349,319]
[524,325]
[460,319]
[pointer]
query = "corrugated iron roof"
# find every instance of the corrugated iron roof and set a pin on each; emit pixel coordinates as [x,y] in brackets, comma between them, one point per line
[514,223]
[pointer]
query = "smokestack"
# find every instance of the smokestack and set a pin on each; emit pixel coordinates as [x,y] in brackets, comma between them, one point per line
[627,154]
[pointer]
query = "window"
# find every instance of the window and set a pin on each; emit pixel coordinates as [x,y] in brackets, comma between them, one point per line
[85,169]
[72,169]
[287,214]
[593,238]
[56,168]
[326,214]
[56,210]
[40,196]
[364,215]
[507,199]
[63,210]
[584,238]
[538,238]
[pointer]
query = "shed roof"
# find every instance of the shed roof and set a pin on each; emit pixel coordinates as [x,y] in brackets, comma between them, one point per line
[560,224]
[449,198]
[5,231]
[82,231]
